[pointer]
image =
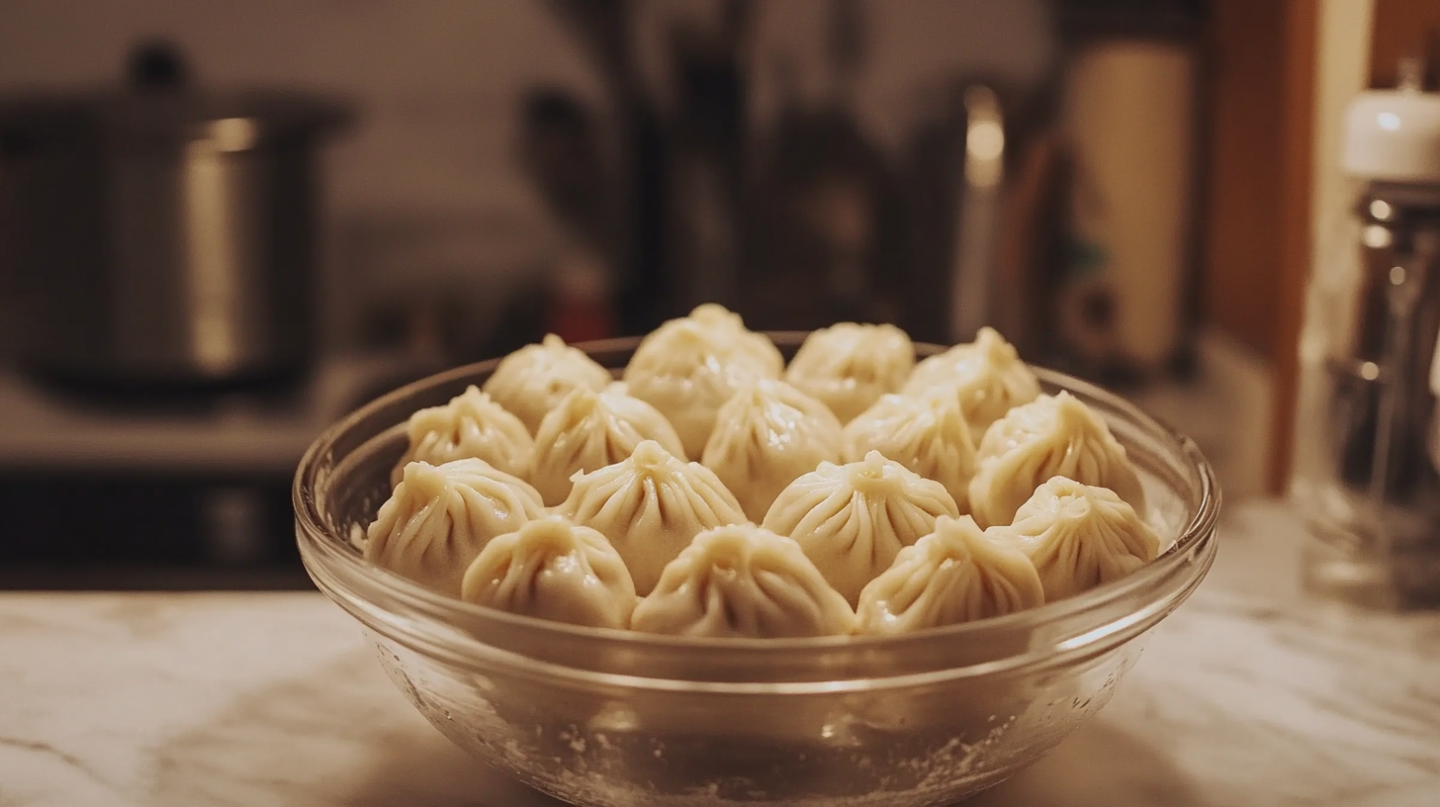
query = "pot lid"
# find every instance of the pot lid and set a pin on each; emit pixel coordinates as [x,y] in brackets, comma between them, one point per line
[160,104]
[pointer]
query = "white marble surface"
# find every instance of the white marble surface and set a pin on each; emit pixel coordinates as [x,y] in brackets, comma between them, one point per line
[1249,695]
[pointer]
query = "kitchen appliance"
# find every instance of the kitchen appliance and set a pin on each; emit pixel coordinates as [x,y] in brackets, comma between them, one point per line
[161,235]
[1363,480]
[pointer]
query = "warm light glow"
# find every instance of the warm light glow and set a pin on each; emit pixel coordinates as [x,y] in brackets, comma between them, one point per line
[986,140]
[233,134]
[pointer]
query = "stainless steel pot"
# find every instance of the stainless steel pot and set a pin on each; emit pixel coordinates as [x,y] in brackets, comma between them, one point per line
[162,236]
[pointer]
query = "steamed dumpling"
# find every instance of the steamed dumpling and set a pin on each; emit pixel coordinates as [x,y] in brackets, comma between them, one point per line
[1051,436]
[765,436]
[756,346]
[1079,536]
[925,433]
[986,376]
[955,574]
[849,366]
[441,516]
[743,581]
[852,520]
[471,425]
[554,570]
[689,367]
[589,430]
[650,506]
[532,380]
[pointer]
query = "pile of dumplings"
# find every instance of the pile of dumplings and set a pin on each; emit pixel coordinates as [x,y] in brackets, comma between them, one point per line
[713,491]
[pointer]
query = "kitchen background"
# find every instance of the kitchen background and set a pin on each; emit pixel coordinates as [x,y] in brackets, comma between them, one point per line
[1100,180]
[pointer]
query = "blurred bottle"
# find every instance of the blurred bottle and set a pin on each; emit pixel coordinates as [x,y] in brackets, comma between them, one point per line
[578,307]
[561,152]
[1364,481]
[824,226]
[703,238]
[1128,103]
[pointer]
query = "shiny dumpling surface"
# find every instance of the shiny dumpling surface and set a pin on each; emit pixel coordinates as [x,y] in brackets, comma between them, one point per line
[689,367]
[925,432]
[533,380]
[955,574]
[986,377]
[852,520]
[650,506]
[1079,536]
[848,366]
[472,424]
[767,435]
[440,516]
[553,569]
[756,347]
[743,581]
[589,430]
[1050,436]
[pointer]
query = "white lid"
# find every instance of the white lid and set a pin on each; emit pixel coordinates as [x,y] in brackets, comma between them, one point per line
[1394,135]
[1435,369]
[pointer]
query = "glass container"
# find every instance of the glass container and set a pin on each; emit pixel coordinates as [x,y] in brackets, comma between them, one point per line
[612,718]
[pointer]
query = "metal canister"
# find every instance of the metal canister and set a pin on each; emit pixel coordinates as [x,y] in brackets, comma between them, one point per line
[161,235]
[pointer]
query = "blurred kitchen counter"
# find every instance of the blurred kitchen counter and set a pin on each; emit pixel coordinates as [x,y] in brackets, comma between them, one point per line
[1250,694]
[44,430]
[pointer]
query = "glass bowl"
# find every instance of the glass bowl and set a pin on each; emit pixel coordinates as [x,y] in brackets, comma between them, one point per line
[617,719]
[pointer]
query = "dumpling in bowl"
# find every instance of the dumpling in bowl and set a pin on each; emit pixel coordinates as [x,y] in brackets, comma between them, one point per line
[532,380]
[926,433]
[986,376]
[849,366]
[1050,436]
[553,570]
[955,574]
[471,425]
[852,520]
[650,506]
[689,367]
[765,436]
[441,516]
[743,341]
[743,581]
[589,430]
[1079,536]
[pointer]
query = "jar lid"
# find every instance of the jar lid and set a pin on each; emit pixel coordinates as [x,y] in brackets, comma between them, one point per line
[1394,135]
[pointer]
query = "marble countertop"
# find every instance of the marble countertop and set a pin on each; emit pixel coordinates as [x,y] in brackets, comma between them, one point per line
[1248,695]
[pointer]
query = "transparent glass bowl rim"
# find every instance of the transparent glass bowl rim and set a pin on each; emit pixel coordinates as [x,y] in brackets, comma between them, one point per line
[1169,578]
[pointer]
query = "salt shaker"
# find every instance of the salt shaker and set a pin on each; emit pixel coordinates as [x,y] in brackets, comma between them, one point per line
[1363,480]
